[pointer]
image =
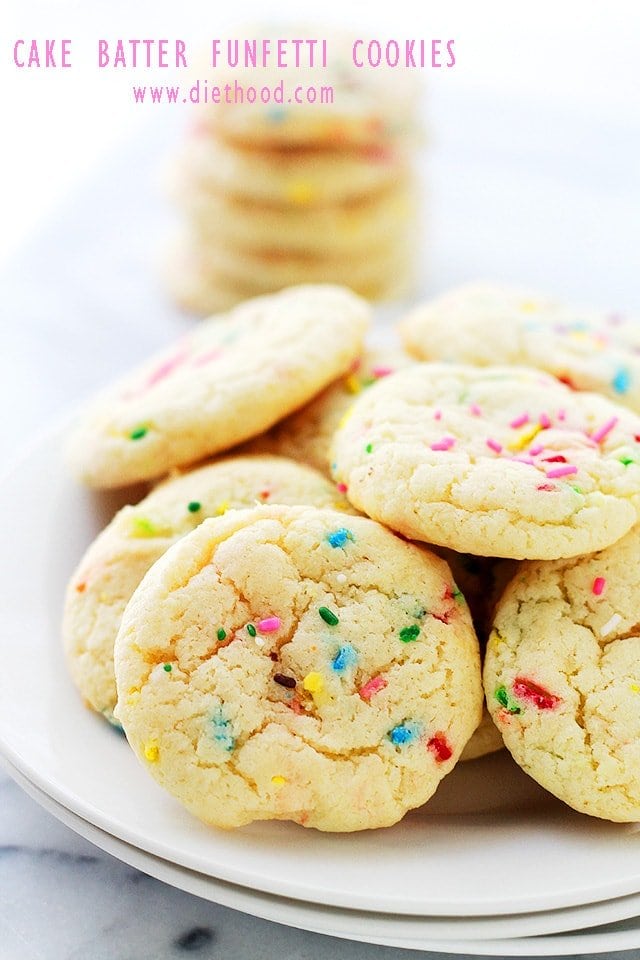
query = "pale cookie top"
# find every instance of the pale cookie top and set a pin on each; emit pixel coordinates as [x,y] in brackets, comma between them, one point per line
[498,461]
[233,377]
[483,325]
[351,105]
[562,677]
[307,434]
[296,664]
[117,560]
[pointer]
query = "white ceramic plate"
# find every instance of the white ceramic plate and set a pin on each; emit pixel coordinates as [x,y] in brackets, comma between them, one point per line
[405,932]
[491,842]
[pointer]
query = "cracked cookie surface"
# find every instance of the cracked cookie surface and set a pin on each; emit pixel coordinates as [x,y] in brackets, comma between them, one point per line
[296,664]
[234,376]
[115,563]
[562,677]
[484,324]
[496,461]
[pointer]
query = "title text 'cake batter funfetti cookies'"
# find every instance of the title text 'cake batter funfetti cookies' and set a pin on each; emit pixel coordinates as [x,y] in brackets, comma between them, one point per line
[230,379]
[116,561]
[296,664]
[307,434]
[500,461]
[562,677]
[483,325]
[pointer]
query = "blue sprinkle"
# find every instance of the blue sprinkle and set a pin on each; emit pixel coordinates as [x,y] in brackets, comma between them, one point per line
[345,657]
[403,733]
[622,381]
[276,115]
[222,731]
[338,538]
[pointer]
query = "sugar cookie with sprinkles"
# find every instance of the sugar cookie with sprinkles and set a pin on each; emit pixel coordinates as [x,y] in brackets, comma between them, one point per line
[496,461]
[292,663]
[562,677]
[484,324]
[231,378]
[117,560]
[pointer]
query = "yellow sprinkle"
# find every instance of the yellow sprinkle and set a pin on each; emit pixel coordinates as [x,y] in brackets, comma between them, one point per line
[346,416]
[143,527]
[525,438]
[222,507]
[278,781]
[151,752]
[635,688]
[529,306]
[352,383]
[314,684]
[301,192]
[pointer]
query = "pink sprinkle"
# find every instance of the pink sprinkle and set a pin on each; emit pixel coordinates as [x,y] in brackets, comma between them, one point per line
[342,487]
[565,471]
[372,686]
[535,450]
[166,368]
[207,357]
[598,585]
[381,371]
[520,421]
[269,624]
[547,487]
[544,421]
[445,444]
[562,415]
[475,410]
[599,434]
[494,445]
[437,414]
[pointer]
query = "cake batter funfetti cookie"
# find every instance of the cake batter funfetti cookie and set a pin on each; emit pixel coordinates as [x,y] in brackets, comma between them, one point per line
[230,379]
[499,461]
[484,324]
[117,560]
[562,677]
[296,664]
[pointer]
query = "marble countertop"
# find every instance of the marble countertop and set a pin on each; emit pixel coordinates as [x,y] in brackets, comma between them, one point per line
[83,301]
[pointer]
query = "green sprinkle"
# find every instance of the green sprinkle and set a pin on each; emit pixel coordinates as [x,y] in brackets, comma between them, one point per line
[251,630]
[222,633]
[142,527]
[167,668]
[138,433]
[409,633]
[577,489]
[194,506]
[369,447]
[505,701]
[328,616]
[627,460]
[458,594]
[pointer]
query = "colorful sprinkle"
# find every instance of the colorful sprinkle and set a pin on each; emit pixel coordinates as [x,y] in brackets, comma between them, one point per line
[193,506]
[505,701]
[599,434]
[338,538]
[151,752]
[379,372]
[345,657]
[625,461]
[475,410]
[167,667]
[445,444]
[269,624]
[371,687]
[342,487]
[222,508]
[439,746]
[222,731]
[635,688]
[369,448]
[138,433]
[352,384]
[407,634]
[519,421]
[402,734]
[494,445]
[525,438]
[565,471]
[528,690]
[222,634]
[313,683]
[598,586]
[536,449]
[143,527]
[622,381]
[610,624]
[546,487]
[81,587]
[278,781]
[437,414]
[562,414]
[544,421]
[328,616]
[251,630]
[284,680]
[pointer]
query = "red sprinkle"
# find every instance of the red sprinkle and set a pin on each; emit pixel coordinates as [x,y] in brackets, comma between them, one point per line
[81,587]
[598,585]
[558,458]
[528,690]
[342,487]
[548,487]
[439,746]
[371,687]
[568,383]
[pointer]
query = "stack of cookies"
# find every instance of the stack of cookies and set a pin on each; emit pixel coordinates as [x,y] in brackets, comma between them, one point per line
[274,654]
[287,193]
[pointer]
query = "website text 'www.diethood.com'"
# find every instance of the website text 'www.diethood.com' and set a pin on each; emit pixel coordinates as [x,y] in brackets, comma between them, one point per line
[202,91]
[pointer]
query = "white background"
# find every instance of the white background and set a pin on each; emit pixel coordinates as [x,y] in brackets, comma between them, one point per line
[57,125]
